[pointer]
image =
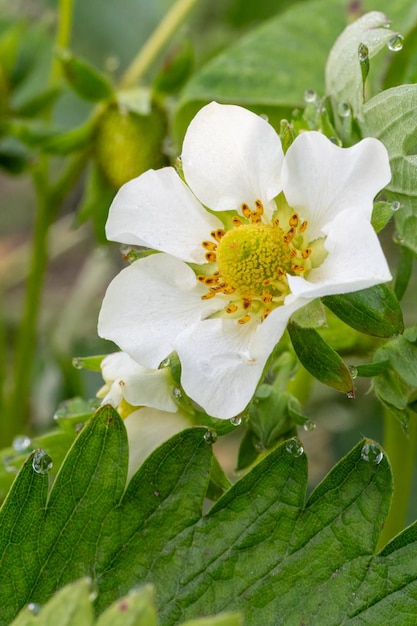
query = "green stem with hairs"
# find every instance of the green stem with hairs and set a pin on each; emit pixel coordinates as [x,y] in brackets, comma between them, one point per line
[163,33]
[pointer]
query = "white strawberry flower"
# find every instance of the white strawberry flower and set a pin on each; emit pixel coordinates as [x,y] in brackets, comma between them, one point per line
[249,238]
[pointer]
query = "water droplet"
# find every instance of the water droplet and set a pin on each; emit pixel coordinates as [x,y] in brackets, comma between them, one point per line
[372,453]
[363,52]
[310,95]
[78,427]
[398,239]
[165,363]
[353,371]
[259,447]
[350,394]
[336,141]
[264,117]
[210,436]
[343,109]
[294,447]
[21,443]
[34,608]
[236,421]
[396,42]
[41,462]
[176,392]
[7,460]
[309,425]
[395,205]
[77,363]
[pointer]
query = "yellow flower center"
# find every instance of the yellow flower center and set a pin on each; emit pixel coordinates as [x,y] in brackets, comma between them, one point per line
[252,254]
[252,260]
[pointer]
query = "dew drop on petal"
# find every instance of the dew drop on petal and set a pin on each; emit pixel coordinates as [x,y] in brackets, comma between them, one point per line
[396,42]
[309,425]
[236,421]
[371,453]
[343,109]
[310,95]
[294,447]
[353,371]
[34,608]
[395,205]
[42,462]
[21,443]
[210,436]
[363,52]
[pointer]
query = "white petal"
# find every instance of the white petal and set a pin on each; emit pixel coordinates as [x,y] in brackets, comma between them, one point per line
[222,361]
[231,156]
[147,429]
[217,370]
[355,260]
[151,302]
[158,211]
[321,179]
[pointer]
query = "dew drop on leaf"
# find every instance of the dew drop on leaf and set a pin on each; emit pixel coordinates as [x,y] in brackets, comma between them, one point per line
[353,371]
[210,436]
[350,395]
[310,95]
[34,608]
[395,44]
[294,447]
[343,109]
[42,462]
[176,392]
[236,421]
[395,205]
[21,443]
[372,453]
[309,425]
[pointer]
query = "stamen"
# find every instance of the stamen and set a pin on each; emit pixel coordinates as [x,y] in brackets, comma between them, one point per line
[237,221]
[265,313]
[209,245]
[298,268]
[209,295]
[211,257]
[266,297]
[303,226]
[218,234]
[294,220]
[246,212]
[247,303]
[259,207]
[231,308]
[244,320]
[306,253]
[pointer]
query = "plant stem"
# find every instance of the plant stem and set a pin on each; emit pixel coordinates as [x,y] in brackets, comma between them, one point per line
[63,35]
[401,451]
[163,32]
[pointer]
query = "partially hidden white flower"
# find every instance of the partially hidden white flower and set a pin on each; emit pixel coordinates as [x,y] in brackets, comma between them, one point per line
[222,288]
[143,397]
[343,69]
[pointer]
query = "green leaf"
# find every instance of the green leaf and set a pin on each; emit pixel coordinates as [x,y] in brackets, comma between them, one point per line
[85,79]
[381,215]
[373,311]
[320,359]
[391,116]
[257,551]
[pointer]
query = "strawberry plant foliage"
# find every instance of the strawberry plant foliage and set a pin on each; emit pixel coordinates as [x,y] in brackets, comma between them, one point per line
[261,549]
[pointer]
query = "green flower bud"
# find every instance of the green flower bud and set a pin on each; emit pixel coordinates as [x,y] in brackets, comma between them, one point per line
[128,144]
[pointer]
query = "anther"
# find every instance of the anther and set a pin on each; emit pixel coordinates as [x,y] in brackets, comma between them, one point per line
[237,221]
[209,245]
[275,222]
[265,313]
[209,295]
[293,253]
[244,320]
[306,253]
[218,234]
[303,226]
[294,220]
[231,308]
[266,297]
[246,212]
[211,257]
[247,303]
[297,268]
[201,278]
